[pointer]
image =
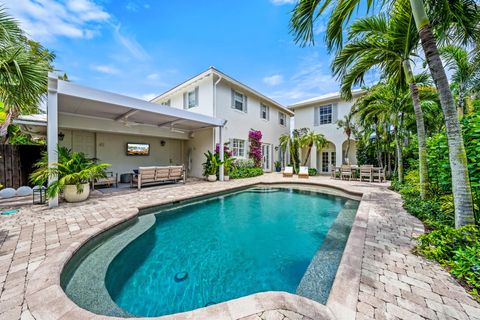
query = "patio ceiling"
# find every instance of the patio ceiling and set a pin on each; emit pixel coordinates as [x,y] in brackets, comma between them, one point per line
[74,99]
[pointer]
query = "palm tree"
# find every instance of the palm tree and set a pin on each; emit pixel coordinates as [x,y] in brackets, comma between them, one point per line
[387,42]
[455,19]
[23,72]
[466,73]
[291,142]
[387,106]
[348,128]
[309,139]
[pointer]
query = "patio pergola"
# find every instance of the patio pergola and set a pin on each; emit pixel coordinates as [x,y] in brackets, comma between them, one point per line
[73,100]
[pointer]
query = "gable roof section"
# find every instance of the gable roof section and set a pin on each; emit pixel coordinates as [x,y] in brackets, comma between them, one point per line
[329,97]
[213,71]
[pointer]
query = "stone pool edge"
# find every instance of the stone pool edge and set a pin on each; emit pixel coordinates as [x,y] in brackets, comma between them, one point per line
[47,300]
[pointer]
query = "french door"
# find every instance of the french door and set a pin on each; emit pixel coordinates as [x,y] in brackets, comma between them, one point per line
[267,157]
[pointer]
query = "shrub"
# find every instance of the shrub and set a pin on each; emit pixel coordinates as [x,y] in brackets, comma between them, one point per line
[244,163]
[255,141]
[312,171]
[246,172]
[441,244]
[466,266]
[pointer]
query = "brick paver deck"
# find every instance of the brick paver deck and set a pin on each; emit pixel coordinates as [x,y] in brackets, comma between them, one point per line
[394,283]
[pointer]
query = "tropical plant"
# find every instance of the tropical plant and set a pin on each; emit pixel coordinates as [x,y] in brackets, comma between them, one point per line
[255,146]
[387,42]
[228,166]
[291,143]
[72,168]
[212,164]
[277,164]
[348,127]
[456,20]
[24,65]
[310,138]
[466,74]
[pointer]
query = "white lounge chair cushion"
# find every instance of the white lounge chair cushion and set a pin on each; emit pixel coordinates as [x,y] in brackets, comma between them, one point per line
[303,170]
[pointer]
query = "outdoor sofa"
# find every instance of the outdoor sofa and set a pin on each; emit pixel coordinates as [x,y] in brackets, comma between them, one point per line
[157,175]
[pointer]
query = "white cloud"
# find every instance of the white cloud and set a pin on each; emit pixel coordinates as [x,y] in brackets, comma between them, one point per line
[282,2]
[153,76]
[273,80]
[312,78]
[107,69]
[47,19]
[129,42]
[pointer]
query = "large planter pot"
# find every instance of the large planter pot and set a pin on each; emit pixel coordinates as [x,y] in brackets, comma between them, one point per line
[226,178]
[278,169]
[212,177]
[71,195]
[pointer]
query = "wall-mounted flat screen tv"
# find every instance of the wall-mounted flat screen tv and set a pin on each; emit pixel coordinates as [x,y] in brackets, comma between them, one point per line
[138,149]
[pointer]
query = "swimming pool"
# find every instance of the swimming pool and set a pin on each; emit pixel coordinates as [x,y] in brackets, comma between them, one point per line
[191,255]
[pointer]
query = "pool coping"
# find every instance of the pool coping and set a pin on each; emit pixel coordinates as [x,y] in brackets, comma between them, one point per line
[47,300]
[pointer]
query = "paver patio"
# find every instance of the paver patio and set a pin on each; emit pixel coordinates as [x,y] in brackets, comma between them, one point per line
[393,284]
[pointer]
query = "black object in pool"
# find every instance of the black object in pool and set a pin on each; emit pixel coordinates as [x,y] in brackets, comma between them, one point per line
[210,303]
[181,276]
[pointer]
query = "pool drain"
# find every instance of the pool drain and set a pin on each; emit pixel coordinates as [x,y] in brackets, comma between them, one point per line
[181,276]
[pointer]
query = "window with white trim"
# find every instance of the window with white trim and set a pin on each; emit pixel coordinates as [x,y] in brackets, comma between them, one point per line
[264,112]
[166,103]
[239,101]
[238,148]
[190,98]
[325,114]
[282,119]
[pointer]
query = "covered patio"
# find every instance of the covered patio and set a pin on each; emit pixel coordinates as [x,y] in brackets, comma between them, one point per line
[101,123]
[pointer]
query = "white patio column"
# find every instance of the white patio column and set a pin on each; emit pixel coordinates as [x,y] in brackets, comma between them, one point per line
[221,150]
[313,157]
[52,131]
[338,154]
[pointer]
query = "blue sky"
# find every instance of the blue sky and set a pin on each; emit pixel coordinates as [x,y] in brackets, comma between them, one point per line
[142,48]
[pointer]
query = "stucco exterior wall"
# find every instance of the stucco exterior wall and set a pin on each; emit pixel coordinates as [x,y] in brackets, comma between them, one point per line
[304,118]
[111,148]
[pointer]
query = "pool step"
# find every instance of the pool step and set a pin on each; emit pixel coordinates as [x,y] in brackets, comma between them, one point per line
[318,279]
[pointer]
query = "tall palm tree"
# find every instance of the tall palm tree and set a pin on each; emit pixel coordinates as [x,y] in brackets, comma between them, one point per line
[348,128]
[291,143]
[387,42]
[453,19]
[387,105]
[466,73]
[309,139]
[23,72]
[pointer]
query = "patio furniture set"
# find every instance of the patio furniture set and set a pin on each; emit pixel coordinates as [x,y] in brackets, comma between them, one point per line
[362,173]
[145,176]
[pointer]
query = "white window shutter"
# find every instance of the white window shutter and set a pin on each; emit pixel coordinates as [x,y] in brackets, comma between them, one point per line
[245,103]
[261,111]
[185,100]
[268,113]
[196,96]
[316,116]
[334,112]
[233,98]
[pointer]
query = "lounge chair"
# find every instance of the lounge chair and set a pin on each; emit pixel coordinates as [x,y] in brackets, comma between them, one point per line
[378,174]
[303,172]
[346,172]
[366,171]
[109,180]
[288,172]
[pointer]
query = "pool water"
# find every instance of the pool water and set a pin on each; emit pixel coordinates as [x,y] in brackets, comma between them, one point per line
[255,240]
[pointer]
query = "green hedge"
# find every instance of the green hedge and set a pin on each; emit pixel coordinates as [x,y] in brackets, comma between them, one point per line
[240,173]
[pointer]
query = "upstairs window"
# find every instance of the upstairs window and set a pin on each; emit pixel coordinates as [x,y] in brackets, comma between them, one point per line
[323,115]
[264,112]
[239,101]
[166,103]
[238,148]
[282,119]
[190,99]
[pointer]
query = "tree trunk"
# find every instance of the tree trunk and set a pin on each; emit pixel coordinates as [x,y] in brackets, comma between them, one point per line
[462,193]
[308,154]
[398,145]
[348,147]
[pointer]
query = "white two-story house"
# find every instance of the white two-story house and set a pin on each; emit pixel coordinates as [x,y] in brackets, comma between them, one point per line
[218,95]
[321,114]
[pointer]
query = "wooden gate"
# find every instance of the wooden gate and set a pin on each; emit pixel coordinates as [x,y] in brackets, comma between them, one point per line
[16,164]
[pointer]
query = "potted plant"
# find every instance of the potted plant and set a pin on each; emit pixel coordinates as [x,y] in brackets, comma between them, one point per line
[228,168]
[211,165]
[278,166]
[74,172]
